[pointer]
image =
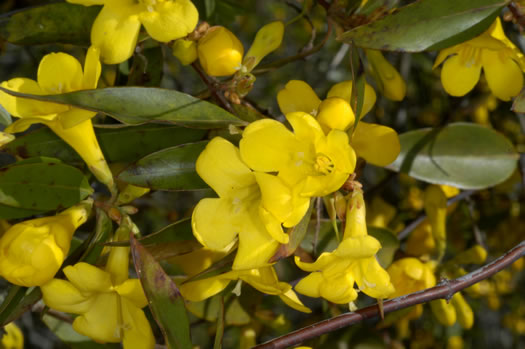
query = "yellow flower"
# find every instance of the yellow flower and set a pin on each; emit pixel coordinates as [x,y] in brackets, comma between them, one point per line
[387,77]
[220,52]
[60,73]
[314,164]
[500,59]
[185,51]
[409,275]
[13,338]
[108,303]
[251,206]
[116,28]
[333,274]
[31,252]
[263,279]
[377,144]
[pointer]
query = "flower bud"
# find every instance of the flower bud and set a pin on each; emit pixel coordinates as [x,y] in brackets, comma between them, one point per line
[185,51]
[267,40]
[444,312]
[220,52]
[13,337]
[387,77]
[464,312]
[31,252]
[335,113]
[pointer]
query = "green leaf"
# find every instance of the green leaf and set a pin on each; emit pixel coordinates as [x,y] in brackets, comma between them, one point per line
[31,188]
[247,113]
[119,144]
[5,117]
[54,23]
[17,302]
[219,333]
[168,169]
[103,230]
[389,244]
[139,105]
[427,25]
[178,231]
[146,69]
[165,301]
[467,156]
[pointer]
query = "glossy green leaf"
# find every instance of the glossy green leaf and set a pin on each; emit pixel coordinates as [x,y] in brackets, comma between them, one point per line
[389,245]
[139,105]
[168,169]
[426,25]
[165,301]
[31,188]
[119,144]
[53,23]
[467,156]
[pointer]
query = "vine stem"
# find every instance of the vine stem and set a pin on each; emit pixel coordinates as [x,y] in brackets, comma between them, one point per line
[445,290]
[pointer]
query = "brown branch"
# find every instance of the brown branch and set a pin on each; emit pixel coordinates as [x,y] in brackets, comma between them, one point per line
[445,290]
[212,87]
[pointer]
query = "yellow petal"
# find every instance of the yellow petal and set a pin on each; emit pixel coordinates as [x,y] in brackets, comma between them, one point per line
[185,51]
[87,2]
[309,286]
[267,40]
[504,76]
[59,73]
[291,299]
[137,330]
[358,247]
[261,154]
[373,279]
[196,291]
[101,321]
[61,295]
[13,338]
[22,125]
[115,32]
[305,127]
[24,107]
[88,278]
[212,223]
[276,195]
[339,290]
[457,78]
[92,69]
[443,54]
[444,312]
[220,52]
[388,78]
[324,260]
[344,91]
[221,167]
[265,280]
[464,313]
[118,264]
[131,289]
[170,20]
[377,144]
[74,116]
[273,226]
[335,113]
[297,95]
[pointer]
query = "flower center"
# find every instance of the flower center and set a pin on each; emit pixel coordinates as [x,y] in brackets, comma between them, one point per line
[323,164]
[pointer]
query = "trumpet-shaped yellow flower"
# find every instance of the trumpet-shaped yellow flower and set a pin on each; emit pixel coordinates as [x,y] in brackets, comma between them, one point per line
[500,59]
[13,338]
[31,252]
[251,206]
[116,29]
[263,279]
[387,77]
[334,274]
[220,52]
[60,73]
[306,159]
[409,275]
[108,303]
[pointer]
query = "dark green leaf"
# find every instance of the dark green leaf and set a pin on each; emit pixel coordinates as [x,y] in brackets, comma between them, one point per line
[40,187]
[427,25]
[165,300]
[103,230]
[219,333]
[178,231]
[247,113]
[139,105]
[146,69]
[168,169]
[389,245]
[17,302]
[122,144]
[53,23]
[467,156]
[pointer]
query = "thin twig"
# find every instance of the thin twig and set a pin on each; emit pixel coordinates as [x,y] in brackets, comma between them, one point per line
[213,88]
[444,290]
[413,225]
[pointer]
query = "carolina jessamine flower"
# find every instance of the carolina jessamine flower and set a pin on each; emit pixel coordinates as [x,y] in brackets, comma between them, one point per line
[116,29]
[305,159]
[60,73]
[375,143]
[333,275]
[388,79]
[263,279]
[109,304]
[410,275]
[500,59]
[251,206]
[31,252]
[13,338]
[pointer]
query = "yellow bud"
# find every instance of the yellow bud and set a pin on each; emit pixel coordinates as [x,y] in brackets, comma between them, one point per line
[185,51]
[5,138]
[13,337]
[31,252]
[380,213]
[220,52]
[464,312]
[474,255]
[344,90]
[455,342]
[355,216]
[335,113]
[387,77]
[444,312]
[267,40]
[436,209]
[129,193]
